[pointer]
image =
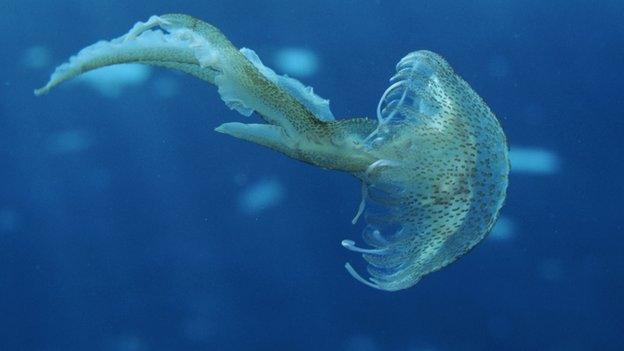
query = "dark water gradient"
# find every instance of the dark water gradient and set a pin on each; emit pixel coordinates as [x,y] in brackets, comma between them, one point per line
[137,242]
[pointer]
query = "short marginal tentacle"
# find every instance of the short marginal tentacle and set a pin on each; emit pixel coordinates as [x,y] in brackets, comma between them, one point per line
[359,278]
[362,205]
[350,245]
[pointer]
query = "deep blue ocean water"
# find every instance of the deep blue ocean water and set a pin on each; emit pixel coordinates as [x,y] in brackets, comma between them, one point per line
[128,224]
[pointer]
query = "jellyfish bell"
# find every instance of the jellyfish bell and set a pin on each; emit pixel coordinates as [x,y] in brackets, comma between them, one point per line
[445,166]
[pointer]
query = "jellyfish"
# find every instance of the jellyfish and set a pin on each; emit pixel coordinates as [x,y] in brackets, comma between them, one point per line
[433,164]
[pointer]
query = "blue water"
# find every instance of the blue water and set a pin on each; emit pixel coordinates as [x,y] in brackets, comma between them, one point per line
[127,224]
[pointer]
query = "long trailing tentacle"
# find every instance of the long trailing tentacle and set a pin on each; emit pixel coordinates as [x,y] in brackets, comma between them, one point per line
[139,45]
[184,43]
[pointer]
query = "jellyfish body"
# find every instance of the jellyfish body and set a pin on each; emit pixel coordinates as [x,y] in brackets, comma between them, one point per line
[442,175]
[433,165]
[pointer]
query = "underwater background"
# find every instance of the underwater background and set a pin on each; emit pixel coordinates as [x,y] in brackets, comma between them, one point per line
[128,224]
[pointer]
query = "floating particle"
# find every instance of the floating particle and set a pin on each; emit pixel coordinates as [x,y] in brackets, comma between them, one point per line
[297,62]
[503,230]
[69,141]
[533,160]
[261,196]
[36,57]
[112,80]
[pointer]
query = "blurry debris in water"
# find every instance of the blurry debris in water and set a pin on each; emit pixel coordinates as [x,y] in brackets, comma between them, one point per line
[9,220]
[503,230]
[69,141]
[498,67]
[166,87]
[533,160]
[551,269]
[112,80]
[260,196]
[36,57]
[297,62]
[361,343]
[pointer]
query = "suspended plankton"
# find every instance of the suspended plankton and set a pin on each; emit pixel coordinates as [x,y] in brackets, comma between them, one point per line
[433,164]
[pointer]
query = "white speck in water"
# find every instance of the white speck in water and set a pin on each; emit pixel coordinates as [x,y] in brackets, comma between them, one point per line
[69,141]
[36,57]
[261,195]
[503,230]
[533,160]
[297,62]
[112,80]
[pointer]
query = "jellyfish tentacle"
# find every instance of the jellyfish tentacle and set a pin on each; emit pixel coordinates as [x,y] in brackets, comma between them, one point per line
[262,134]
[187,44]
[361,279]
[195,47]
[350,245]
